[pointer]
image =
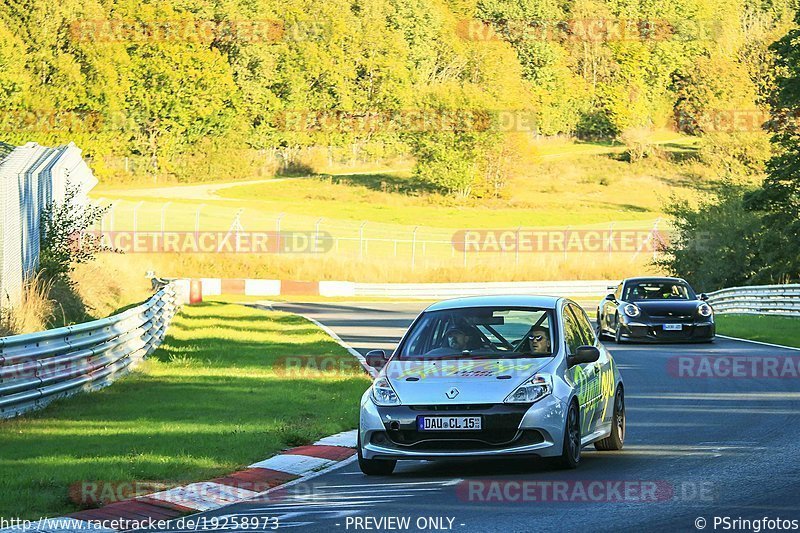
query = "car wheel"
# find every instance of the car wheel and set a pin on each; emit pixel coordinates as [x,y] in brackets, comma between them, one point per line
[599,321]
[618,334]
[571,451]
[374,467]
[616,440]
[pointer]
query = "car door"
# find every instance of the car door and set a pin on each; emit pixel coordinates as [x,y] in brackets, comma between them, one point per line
[610,312]
[581,375]
[592,402]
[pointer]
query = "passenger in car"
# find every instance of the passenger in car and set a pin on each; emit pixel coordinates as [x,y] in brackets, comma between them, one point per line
[539,340]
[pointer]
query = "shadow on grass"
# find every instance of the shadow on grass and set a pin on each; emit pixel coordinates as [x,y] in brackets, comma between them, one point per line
[203,407]
[386,183]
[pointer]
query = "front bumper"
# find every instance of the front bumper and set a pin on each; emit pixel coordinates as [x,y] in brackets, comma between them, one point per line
[508,430]
[653,331]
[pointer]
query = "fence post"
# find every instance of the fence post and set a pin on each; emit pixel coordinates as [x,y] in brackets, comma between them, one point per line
[361,240]
[135,216]
[111,214]
[278,233]
[316,233]
[163,215]
[197,220]
[414,247]
[656,239]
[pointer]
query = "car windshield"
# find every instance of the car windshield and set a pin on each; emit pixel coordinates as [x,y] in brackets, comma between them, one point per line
[657,290]
[480,332]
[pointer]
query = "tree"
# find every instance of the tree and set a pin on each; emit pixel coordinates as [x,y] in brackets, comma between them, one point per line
[715,244]
[779,195]
[180,94]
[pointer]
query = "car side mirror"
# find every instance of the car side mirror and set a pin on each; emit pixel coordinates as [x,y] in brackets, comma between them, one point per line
[611,298]
[584,354]
[703,296]
[376,359]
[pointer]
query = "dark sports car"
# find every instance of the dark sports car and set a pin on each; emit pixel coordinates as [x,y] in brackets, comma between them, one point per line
[656,310]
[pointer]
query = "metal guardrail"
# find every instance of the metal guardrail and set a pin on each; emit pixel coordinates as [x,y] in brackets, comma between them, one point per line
[37,368]
[782,300]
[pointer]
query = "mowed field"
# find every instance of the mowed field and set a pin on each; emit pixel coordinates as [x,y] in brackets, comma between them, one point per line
[386,226]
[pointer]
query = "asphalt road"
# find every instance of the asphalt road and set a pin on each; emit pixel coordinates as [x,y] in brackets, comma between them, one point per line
[718,446]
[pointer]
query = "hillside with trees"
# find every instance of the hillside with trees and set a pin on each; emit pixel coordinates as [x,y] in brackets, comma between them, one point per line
[199,90]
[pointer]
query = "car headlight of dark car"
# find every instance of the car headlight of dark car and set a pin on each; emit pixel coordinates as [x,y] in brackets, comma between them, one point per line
[632,310]
[705,310]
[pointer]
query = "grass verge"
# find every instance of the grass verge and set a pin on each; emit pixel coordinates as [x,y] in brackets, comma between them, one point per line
[217,396]
[773,329]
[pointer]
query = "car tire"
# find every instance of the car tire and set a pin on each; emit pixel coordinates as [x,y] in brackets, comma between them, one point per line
[618,334]
[374,467]
[571,451]
[616,440]
[599,321]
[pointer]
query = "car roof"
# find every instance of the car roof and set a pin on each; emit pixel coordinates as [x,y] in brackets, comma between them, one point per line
[514,300]
[654,278]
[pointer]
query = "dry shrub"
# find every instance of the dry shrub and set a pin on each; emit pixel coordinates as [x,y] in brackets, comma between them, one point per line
[34,313]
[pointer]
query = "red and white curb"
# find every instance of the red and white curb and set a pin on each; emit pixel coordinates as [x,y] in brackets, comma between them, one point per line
[291,466]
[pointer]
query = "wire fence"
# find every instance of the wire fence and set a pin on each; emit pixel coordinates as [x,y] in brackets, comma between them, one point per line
[143,222]
[32,176]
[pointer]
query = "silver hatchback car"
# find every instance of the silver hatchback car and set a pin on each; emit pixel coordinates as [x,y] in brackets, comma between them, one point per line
[490,377]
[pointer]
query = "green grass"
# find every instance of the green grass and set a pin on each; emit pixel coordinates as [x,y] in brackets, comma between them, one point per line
[389,227]
[212,399]
[773,329]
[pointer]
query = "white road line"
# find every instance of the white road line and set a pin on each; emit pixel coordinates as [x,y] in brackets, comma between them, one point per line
[312,475]
[760,342]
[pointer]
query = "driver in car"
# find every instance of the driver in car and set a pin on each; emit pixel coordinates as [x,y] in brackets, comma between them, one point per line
[539,340]
[457,339]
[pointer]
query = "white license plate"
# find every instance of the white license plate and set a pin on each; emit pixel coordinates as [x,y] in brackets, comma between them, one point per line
[449,423]
[673,327]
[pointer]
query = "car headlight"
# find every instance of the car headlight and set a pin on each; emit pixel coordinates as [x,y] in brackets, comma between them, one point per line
[383,394]
[532,390]
[705,310]
[632,311]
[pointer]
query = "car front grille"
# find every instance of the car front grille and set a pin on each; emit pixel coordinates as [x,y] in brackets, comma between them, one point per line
[452,407]
[450,441]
